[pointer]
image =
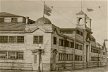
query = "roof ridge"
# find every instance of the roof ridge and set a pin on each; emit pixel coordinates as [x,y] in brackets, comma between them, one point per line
[5,14]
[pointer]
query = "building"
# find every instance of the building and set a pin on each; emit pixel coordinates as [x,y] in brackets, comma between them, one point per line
[40,45]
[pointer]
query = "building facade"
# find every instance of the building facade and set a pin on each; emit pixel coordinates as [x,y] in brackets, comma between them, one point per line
[40,45]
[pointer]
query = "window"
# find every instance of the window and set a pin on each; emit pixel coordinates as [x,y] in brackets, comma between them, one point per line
[60,57]
[20,39]
[80,47]
[1,20]
[20,55]
[77,31]
[7,19]
[38,40]
[11,55]
[94,58]
[3,54]
[3,39]
[78,58]
[66,43]
[35,58]
[14,20]
[94,50]
[71,57]
[65,57]
[54,40]
[72,44]
[20,19]
[76,46]
[12,39]
[61,42]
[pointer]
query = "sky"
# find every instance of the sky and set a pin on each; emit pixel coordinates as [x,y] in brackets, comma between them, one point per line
[63,13]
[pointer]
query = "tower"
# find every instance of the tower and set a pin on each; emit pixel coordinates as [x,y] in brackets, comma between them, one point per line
[83,21]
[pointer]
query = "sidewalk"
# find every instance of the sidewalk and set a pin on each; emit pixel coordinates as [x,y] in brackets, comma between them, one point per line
[95,69]
[100,69]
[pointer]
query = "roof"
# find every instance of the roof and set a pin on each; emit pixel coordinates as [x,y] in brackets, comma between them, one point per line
[80,13]
[12,26]
[43,20]
[67,30]
[5,14]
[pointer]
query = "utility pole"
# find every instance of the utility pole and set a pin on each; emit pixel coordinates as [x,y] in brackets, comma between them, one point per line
[39,50]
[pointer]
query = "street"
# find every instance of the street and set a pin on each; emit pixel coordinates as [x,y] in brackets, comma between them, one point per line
[100,69]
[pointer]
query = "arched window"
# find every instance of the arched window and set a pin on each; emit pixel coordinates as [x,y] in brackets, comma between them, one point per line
[80,21]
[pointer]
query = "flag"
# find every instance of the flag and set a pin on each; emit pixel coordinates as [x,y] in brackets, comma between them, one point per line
[104,45]
[106,40]
[90,10]
[47,10]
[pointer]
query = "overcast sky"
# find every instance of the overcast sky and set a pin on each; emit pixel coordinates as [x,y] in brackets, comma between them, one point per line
[63,12]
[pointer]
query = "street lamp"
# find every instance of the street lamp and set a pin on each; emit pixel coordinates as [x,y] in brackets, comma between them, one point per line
[39,51]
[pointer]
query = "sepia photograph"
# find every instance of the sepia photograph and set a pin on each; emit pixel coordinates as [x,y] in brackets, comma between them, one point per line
[53,36]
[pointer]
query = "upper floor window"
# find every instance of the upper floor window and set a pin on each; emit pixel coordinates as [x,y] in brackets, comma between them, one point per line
[72,44]
[61,42]
[78,46]
[20,39]
[38,39]
[66,43]
[94,50]
[11,39]
[54,40]
[7,19]
[1,20]
[14,20]
[20,19]
[3,39]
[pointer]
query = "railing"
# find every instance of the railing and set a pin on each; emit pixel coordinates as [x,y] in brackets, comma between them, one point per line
[16,65]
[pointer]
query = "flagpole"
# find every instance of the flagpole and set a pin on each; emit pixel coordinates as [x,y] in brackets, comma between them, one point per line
[81,5]
[44,13]
[43,8]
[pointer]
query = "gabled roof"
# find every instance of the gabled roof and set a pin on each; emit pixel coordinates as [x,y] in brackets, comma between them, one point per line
[5,14]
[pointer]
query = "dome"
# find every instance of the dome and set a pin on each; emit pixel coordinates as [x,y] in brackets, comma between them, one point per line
[80,13]
[43,20]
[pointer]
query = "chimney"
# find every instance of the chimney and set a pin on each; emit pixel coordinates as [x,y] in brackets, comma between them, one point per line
[27,19]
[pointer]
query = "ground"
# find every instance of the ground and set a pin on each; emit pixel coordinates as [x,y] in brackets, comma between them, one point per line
[98,69]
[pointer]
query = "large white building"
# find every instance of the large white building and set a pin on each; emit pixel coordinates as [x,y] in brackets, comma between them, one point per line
[40,45]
